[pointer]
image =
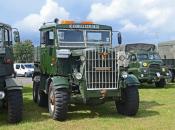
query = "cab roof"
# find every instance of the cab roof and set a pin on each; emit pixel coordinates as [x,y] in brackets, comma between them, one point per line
[167,43]
[4,25]
[139,47]
[75,26]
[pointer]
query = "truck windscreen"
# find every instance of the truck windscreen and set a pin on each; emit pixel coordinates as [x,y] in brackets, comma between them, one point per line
[152,56]
[98,37]
[78,38]
[70,36]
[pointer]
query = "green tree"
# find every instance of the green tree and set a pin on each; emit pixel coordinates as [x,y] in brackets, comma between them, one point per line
[23,52]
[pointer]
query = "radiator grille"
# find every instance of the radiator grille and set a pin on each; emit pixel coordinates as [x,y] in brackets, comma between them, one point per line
[154,68]
[101,69]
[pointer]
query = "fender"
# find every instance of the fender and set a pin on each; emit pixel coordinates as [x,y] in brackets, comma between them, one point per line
[131,80]
[13,84]
[59,82]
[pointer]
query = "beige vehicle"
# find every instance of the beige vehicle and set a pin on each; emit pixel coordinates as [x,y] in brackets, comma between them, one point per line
[167,53]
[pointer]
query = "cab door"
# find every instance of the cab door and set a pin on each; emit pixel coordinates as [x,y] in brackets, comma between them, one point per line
[8,59]
[47,51]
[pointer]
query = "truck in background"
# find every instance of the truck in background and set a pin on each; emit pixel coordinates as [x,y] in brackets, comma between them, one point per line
[144,62]
[10,88]
[167,54]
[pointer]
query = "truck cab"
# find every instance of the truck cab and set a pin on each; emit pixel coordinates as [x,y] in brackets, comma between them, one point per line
[78,64]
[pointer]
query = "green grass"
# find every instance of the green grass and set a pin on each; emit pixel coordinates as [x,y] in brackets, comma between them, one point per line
[157,111]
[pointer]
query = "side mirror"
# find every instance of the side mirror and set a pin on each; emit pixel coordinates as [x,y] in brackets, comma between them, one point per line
[119,36]
[16,36]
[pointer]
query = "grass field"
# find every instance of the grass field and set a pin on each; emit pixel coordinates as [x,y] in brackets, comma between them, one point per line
[157,111]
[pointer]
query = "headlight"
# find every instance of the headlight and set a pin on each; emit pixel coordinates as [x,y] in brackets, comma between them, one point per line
[78,76]
[163,69]
[124,75]
[145,64]
[82,58]
[144,71]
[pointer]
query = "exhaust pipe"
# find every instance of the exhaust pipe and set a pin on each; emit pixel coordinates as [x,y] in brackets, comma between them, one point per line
[2,95]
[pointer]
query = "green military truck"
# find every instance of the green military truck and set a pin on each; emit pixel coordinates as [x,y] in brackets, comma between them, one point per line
[167,54]
[77,64]
[10,88]
[144,62]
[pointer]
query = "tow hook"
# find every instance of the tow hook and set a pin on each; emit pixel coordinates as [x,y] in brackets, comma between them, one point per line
[103,93]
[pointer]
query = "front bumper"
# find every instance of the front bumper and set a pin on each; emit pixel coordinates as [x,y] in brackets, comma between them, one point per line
[153,77]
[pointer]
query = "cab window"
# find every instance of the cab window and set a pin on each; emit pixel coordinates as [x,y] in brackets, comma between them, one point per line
[133,58]
[47,38]
[22,66]
[17,66]
[7,37]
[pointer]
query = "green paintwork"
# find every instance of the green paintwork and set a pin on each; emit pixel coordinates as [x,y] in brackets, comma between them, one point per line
[63,70]
[149,74]
[7,82]
[131,80]
[60,82]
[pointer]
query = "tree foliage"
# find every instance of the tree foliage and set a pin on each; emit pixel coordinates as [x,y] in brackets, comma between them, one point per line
[23,52]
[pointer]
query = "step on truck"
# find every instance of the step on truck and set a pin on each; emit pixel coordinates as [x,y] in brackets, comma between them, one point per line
[76,63]
[143,60]
[10,88]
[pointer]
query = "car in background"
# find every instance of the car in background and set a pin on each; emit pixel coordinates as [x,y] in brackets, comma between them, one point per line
[24,69]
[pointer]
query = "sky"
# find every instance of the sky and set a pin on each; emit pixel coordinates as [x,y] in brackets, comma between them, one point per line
[150,21]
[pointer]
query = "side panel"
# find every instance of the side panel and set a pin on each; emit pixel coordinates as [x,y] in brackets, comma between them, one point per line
[60,82]
[48,60]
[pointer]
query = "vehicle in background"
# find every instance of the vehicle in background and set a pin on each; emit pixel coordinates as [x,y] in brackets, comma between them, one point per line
[77,64]
[24,69]
[144,62]
[167,54]
[10,88]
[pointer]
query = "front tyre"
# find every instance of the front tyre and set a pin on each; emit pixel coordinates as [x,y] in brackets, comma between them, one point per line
[129,104]
[15,105]
[58,103]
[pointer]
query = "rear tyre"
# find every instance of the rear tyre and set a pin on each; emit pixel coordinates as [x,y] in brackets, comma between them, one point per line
[161,83]
[15,106]
[35,91]
[41,98]
[58,103]
[129,104]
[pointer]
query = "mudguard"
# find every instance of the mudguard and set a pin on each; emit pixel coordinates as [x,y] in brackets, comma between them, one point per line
[131,80]
[60,82]
[13,84]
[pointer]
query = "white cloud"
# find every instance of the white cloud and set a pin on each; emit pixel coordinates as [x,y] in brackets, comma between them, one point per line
[146,15]
[130,26]
[48,12]
[110,11]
